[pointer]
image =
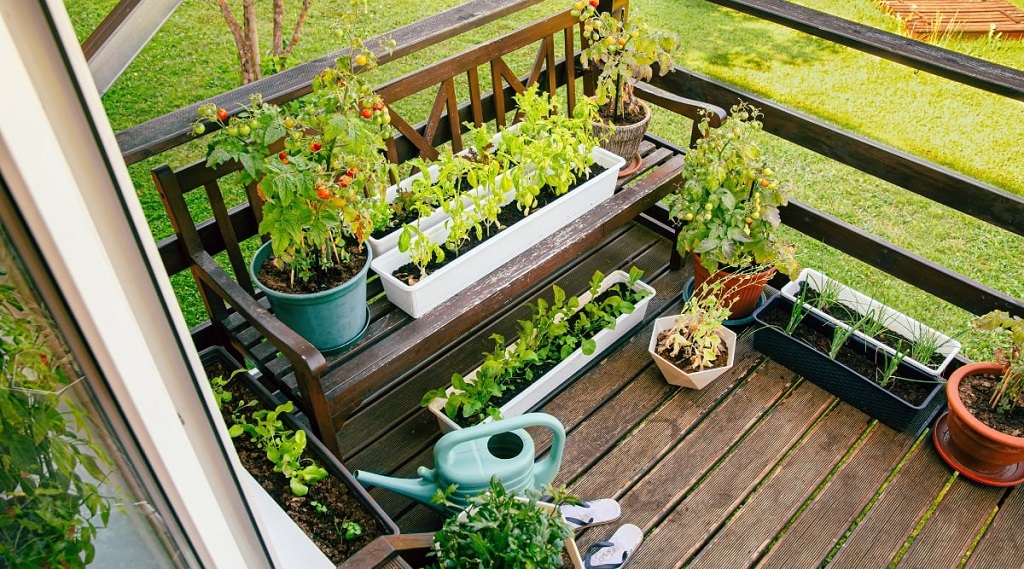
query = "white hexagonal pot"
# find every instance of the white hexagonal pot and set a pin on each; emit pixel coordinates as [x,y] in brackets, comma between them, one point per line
[693,380]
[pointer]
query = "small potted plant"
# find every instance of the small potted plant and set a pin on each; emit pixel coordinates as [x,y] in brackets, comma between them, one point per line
[500,530]
[626,52]
[728,206]
[693,348]
[982,436]
[323,192]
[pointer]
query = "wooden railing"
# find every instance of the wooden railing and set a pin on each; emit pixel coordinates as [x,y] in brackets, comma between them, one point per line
[987,203]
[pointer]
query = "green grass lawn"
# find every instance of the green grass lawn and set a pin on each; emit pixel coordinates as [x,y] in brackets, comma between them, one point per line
[956,126]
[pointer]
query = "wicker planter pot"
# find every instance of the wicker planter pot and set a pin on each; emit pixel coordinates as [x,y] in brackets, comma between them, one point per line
[625,140]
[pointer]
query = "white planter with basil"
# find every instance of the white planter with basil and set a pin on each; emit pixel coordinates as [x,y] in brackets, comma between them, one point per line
[444,283]
[908,328]
[543,386]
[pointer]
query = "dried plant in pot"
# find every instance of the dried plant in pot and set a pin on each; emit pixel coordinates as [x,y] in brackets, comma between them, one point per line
[981,436]
[625,51]
[728,209]
[694,348]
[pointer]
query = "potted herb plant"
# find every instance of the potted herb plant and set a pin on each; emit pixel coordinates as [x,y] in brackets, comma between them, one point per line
[728,208]
[982,436]
[694,348]
[500,530]
[290,468]
[323,195]
[50,504]
[876,381]
[557,340]
[626,51]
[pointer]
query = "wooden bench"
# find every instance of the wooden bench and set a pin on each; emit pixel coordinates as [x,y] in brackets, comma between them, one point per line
[329,387]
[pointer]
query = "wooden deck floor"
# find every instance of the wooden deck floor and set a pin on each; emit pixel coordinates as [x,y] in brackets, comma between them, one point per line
[761,468]
[971,18]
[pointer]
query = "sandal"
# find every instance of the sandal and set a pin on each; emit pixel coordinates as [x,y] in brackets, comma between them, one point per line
[613,552]
[591,513]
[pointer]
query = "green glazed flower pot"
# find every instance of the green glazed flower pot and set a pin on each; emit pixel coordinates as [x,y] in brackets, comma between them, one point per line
[330,320]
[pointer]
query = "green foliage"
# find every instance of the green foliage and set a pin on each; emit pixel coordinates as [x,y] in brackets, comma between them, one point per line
[545,149]
[553,332]
[327,186]
[626,52]
[501,531]
[48,503]
[729,201]
[283,447]
[1009,392]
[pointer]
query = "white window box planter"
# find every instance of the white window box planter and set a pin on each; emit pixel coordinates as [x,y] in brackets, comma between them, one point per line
[444,283]
[899,323]
[530,397]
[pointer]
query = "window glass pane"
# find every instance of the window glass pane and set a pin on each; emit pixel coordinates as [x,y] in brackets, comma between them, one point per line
[70,494]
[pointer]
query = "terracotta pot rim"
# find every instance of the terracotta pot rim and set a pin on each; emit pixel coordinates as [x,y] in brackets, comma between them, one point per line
[957,405]
[724,271]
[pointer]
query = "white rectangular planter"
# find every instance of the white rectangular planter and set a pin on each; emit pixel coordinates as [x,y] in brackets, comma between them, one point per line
[446,282]
[558,375]
[861,304]
[390,240]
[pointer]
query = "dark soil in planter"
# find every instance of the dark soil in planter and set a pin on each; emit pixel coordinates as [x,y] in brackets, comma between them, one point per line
[510,214]
[524,378]
[607,112]
[975,392]
[683,363]
[913,392]
[340,506]
[282,280]
[841,312]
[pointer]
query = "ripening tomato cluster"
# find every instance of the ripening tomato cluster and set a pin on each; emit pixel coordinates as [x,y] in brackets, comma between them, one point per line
[375,110]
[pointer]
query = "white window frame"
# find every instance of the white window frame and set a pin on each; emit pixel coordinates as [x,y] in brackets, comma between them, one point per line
[62,165]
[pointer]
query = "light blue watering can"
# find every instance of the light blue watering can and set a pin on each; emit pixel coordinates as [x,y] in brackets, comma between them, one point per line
[469,458]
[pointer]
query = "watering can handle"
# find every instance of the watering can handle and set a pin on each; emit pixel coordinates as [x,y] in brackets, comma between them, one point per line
[449,441]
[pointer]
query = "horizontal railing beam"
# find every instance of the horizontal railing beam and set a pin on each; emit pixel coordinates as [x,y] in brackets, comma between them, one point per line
[175,128]
[958,67]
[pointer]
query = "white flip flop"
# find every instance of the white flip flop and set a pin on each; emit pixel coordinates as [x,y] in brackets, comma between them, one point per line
[615,551]
[591,513]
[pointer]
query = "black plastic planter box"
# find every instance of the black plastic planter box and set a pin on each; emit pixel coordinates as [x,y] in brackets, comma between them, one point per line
[385,524]
[840,380]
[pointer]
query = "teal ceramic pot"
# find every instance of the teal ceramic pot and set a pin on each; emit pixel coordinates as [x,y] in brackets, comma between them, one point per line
[331,319]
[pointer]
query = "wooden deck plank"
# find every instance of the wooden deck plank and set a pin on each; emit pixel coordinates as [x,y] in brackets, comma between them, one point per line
[949,532]
[1003,542]
[699,450]
[819,526]
[881,533]
[705,508]
[743,539]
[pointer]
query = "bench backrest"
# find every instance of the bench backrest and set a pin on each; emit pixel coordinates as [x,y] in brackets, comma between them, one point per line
[552,42]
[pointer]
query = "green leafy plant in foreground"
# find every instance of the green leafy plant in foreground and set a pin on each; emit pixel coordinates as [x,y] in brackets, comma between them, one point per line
[499,530]
[50,508]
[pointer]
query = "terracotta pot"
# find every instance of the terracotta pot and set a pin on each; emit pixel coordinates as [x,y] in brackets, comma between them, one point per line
[971,447]
[625,141]
[747,287]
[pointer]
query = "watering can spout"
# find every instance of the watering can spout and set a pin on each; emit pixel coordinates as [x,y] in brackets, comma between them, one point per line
[420,489]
